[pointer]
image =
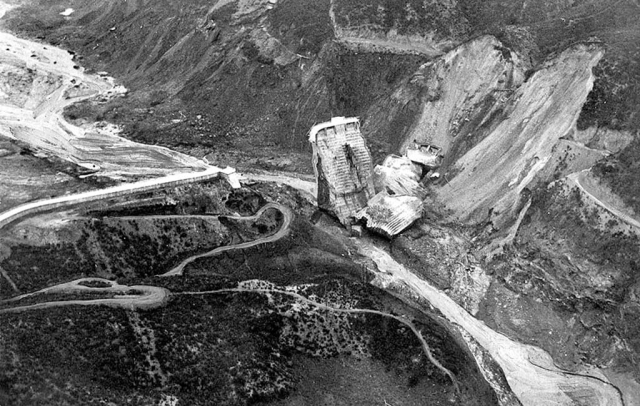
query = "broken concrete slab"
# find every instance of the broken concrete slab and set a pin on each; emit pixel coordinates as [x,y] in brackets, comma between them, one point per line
[389,215]
[343,167]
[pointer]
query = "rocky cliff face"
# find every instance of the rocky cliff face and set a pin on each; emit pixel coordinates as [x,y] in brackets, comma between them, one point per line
[424,27]
[566,283]
[258,76]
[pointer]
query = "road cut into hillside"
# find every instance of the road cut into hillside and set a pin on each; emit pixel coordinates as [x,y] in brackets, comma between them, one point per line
[579,179]
[38,206]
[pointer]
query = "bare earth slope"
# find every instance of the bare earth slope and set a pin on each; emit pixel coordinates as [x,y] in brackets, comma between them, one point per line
[492,174]
[450,102]
[530,371]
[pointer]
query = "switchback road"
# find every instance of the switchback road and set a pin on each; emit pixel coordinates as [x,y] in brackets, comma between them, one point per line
[283,231]
[145,297]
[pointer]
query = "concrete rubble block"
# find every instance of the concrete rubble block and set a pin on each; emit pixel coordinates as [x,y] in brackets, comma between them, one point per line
[389,215]
[343,168]
[399,176]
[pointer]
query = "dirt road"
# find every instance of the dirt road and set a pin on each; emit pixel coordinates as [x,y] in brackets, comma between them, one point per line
[305,185]
[283,231]
[150,296]
[127,188]
[297,296]
[577,177]
[145,297]
[44,80]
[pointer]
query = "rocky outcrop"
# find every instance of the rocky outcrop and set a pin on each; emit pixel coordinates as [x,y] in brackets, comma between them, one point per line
[604,138]
[568,284]
[464,86]
[487,180]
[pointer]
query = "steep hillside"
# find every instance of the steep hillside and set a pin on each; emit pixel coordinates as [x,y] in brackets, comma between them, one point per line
[487,180]
[282,321]
[240,80]
[452,102]
[233,76]
[572,275]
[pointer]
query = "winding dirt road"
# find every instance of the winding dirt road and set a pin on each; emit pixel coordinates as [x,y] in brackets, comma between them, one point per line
[297,296]
[35,117]
[283,231]
[146,297]
[150,296]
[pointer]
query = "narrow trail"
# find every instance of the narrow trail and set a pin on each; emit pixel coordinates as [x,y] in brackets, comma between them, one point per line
[151,296]
[414,329]
[147,338]
[204,217]
[10,281]
[283,231]
[529,370]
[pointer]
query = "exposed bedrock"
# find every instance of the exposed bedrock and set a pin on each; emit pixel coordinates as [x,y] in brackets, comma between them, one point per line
[487,180]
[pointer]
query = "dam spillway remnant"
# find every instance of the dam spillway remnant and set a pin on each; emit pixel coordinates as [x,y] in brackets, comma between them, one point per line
[343,167]
[387,199]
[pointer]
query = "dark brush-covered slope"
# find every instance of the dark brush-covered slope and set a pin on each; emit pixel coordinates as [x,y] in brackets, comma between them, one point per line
[255,75]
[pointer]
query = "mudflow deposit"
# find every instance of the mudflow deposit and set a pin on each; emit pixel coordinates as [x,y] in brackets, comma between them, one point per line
[160,237]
